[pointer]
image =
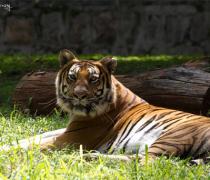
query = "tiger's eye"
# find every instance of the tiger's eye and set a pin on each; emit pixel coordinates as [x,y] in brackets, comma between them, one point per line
[94,79]
[72,77]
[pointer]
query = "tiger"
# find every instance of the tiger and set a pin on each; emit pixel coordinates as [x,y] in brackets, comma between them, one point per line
[107,117]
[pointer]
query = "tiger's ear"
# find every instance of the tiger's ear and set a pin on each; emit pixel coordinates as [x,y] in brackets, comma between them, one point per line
[66,56]
[110,63]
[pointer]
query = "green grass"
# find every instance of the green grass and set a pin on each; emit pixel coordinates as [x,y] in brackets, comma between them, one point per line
[69,163]
[16,65]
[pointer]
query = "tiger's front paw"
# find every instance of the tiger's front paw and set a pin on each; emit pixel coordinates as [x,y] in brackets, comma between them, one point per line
[97,155]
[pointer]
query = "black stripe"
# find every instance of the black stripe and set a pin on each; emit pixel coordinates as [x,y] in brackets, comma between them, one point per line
[154,126]
[124,130]
[108,85]
[172,145]
[120,141]
[155,154]
[187,151]
[204,140]
[180,112]
[146,123]
[125,145]
[182,135]
[174,118]
[191,115]
[87,127]
[155,145]
[162,115]
[169,118]
[173,122]
[176,130]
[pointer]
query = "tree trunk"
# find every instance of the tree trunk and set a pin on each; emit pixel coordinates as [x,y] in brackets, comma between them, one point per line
[183,88]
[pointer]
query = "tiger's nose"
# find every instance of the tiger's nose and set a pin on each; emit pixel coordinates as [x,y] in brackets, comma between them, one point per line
[80,92]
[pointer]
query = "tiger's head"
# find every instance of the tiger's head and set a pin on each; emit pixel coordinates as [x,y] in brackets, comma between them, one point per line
[84,87]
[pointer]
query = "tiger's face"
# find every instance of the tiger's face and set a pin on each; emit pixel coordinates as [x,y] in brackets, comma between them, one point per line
[84,88]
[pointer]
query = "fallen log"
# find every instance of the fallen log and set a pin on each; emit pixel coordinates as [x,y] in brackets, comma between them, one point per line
[35,93]
[183,88]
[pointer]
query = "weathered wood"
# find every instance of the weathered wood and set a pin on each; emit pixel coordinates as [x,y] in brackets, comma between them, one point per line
[177,88]
[182,88]
[35,93]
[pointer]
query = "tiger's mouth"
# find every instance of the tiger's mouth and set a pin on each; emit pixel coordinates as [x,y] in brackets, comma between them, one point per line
[86,107]
[82,105]
[81,108]
[78,102]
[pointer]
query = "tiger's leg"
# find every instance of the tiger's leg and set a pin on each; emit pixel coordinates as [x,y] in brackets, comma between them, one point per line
[184,141]
[45,141]
[158,150]
[97,155]
[126,158]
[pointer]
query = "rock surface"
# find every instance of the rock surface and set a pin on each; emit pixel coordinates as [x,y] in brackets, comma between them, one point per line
[117,27]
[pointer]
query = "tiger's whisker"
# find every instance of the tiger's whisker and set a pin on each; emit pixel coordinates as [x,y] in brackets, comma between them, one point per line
[48,104]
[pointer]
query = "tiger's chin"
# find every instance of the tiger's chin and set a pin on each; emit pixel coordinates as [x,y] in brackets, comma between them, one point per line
[82,110]
[86,111]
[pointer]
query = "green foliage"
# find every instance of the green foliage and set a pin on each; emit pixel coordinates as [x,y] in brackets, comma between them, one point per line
[11,65]
[6,88]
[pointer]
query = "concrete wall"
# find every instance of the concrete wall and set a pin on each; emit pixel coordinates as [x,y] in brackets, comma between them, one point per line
[106,26]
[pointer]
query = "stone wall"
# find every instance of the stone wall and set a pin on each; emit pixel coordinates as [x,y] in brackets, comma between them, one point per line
[106,26]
